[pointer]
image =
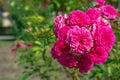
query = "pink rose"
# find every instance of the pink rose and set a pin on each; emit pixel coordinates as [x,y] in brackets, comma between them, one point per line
[86,63]
[94,14]
[118,15]
[104,37]
[62,34]
[60,21]
[99,54]
[68,60]
[100,22]
[79,39]
[61,52]
[60,48]
[100,2]
[79,18]
[109,12]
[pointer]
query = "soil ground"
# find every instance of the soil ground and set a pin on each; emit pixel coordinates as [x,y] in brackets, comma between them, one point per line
[9,70]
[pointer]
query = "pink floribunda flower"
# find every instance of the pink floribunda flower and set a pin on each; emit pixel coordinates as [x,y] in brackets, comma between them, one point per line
[29,44]
[68,60]
[61,51]
[79,18]
[99,54]
[84,38]
[118,15]
[60,21]
[104,37]
[100,2]
[28,29]
[109,12]
[62,34]
[20,44]
[60,48]
[79,39]
[100,22]
[86,63]
[118,23]
[94,14]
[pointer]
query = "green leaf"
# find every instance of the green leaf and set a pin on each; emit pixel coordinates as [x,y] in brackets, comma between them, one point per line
[37,49]
[26,75]
[13,3]
[38,43]
[93,4]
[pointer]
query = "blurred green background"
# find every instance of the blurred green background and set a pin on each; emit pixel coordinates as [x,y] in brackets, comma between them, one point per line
[38,16]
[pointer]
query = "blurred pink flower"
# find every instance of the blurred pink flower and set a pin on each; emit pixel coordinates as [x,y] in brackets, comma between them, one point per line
[118,23]
[118,15]
[78,18]
[29,44]
[21,44]
[28,29]
[60,21]
[13,51]
[109,12]
[79,39]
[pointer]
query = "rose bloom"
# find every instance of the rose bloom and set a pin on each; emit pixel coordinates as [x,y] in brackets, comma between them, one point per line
[79,18]
[86,63]
[100,2]
[60,21]
[60,48]
[104,36]
[99,54]
[100,22]
[79,39]
[118,15]
[68,60]
[61,52]
[62,34]
[94,14]
[109,12]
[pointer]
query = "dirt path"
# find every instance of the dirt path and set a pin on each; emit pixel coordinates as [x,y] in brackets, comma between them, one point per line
[9,69]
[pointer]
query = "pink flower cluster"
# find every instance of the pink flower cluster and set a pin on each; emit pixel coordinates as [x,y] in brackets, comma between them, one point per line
[20,44]
[84,38]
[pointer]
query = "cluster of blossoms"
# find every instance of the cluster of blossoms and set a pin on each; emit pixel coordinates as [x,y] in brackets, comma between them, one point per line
[84,38]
